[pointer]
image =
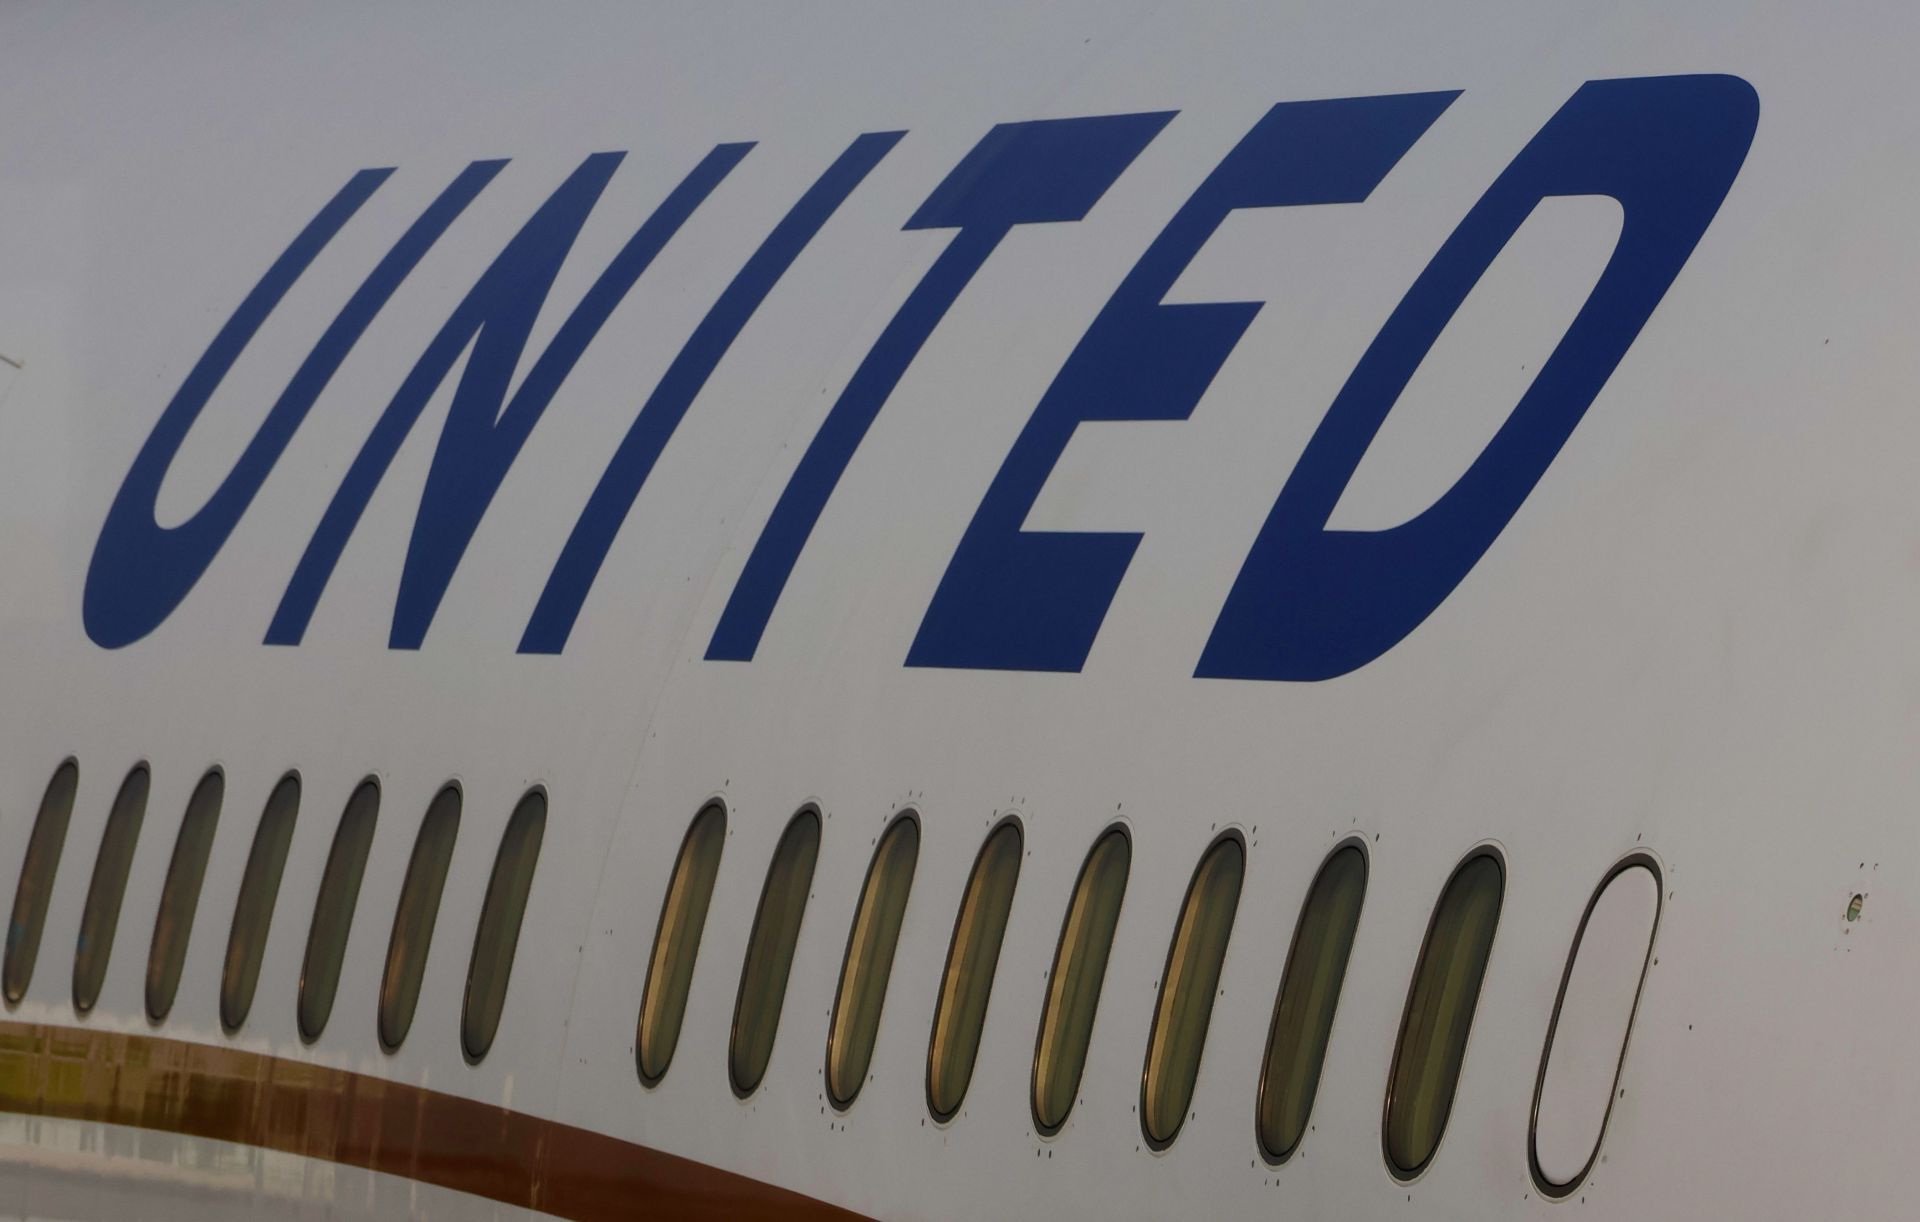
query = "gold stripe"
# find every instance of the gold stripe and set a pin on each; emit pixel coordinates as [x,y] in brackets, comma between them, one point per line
[359,1120]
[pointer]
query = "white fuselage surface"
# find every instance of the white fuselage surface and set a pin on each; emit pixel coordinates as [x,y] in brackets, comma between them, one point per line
[1455,433]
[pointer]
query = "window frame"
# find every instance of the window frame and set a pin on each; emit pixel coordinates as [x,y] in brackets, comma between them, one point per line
[185,880]
[1121,829]
[1638,859]
[85,954]
[249,956]
[809,811]
[392,959]
[1350,843]
[501,886]
[1493,852]
[682,861]
[1230,835]
[324,892]
[1006,823]
[25,930]
[897,825]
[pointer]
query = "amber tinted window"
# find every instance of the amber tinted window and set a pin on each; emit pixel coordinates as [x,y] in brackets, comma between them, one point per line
[972,956]
[1309,995]
[869,959]
[676,942]
[180,896]
[1187,989]
[102,914]
[253,911]
[333,909]
[1439,1013]
[776,930]
[36,880]
[500,916]
[414,916]
[1073,985]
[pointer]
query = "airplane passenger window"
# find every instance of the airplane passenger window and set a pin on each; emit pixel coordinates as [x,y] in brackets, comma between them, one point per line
[180,896]
[36,880]
[1309,995]
[972,957]
[1187,989]
[776,930]
[498,936]
[414,916]
[1439,1014]
[676,942]
[1079,969]
[102,914]
[253,911]
[1586,1048]
[333,909]
[855,1024]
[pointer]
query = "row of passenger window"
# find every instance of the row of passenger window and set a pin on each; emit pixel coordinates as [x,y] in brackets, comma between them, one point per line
[1428,1054]
[414,916]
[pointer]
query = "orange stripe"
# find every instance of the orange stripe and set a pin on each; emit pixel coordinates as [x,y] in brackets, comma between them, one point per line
[225,1094]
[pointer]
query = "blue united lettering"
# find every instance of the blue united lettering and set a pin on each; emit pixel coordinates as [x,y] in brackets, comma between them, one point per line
[1309,603]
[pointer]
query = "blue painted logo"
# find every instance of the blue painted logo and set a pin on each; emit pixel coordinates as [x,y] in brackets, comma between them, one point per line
[1309,603]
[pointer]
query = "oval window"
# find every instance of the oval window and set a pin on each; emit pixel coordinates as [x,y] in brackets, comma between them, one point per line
[1187,989]
[333,909]
[109,886]
[37,872]
[776,930]
[414,916]
[676,942]
[253,911]
[497,938]
[1073,985]
[1587,1040]
[972,957]
[180,895]
[864,972]
[1309,995]
[1439,1014]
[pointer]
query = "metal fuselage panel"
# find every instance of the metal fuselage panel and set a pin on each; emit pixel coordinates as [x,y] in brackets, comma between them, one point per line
[893,474]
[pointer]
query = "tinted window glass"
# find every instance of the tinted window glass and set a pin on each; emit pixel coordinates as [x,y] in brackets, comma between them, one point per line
[676,942]
[181,894]
[500,916]
[253,911]
[776,929]
[333,909]
[1309,995]
[414,916]
[1187,989]
[974,954]
[1439,1013]
[1079,969]
[869,960]
[102,914]
[37,872]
